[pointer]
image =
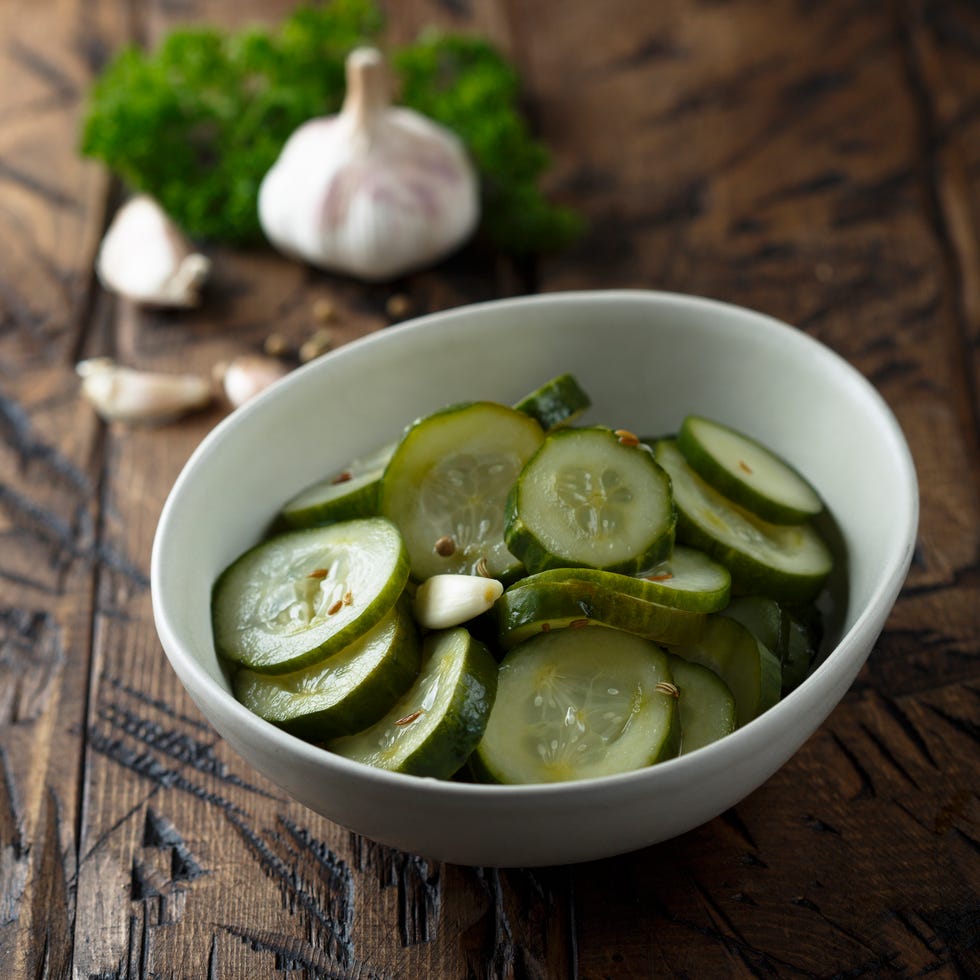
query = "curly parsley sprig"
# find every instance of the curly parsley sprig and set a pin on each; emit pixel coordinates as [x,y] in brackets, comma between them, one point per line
[199,122]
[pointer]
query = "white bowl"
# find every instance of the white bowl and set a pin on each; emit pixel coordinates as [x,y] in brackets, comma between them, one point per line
[647,359]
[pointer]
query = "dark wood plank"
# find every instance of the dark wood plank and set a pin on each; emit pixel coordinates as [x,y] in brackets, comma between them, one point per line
[51,216]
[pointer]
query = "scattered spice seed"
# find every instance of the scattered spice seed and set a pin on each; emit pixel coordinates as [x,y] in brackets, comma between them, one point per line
[445,546]
[665,687]
[408,719]
[398,305]
[578,624]
[662,577]
[319,573]
[335,608]
[348,598]
[626,437]
[319,343]
[342,477]
[546,627]
[324,311]
[482,568]
[276,345]
[742,465]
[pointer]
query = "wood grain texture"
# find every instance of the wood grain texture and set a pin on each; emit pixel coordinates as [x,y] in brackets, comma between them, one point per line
[817,161]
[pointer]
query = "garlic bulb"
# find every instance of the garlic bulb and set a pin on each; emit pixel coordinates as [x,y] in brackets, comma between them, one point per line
[145,257]
[374,191]
[126,395]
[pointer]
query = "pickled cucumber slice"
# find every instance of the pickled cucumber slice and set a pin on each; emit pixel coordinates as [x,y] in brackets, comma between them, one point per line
[793,639]
[432,729]
[558,402]
[689,580]
[348,691]
[531,607]
[353,492]
[446,485]
[748,668]
[299,597]
[575,705]
[789,562]
[747,472]
[705,704]
[587,499]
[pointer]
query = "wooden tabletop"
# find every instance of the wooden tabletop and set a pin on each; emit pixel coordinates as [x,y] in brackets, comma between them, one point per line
[818,161]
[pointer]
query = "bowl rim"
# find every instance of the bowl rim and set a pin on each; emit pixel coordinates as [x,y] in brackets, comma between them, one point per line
[753,736]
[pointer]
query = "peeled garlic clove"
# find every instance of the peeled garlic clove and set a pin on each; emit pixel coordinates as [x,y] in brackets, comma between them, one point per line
[374,191]
[247,375]
[145,257]
[126,395]
[448,600]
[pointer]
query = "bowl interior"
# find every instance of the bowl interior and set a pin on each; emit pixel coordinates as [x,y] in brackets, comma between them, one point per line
[646,359]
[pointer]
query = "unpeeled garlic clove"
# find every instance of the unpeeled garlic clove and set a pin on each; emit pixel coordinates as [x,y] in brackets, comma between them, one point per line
[448,600]
[374,191]
[145,257]
[122,394]
[245,376]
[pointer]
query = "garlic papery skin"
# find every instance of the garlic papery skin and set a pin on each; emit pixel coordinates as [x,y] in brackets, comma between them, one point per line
[145,257]
[248,375]
[122,394]
[449,600]
[374,191]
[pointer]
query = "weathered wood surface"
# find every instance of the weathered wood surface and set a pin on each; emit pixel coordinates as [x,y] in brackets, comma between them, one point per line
[818,161]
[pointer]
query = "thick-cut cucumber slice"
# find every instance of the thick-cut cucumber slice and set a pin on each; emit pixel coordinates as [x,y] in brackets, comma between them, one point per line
[337,499]
[353,492]
[747,472]
[302,596]
[559,402]
[446,485]
[436,724]
[587,499]
[749,669]
[793,640]
[529,608]
[573,705]
[348,691]
[705,704]
[688,580]
[789,562]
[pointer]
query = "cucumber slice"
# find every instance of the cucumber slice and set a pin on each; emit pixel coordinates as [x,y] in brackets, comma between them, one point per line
[747,472]
[530,607]
[437,723]
[347,692]
[446,485]
[705,704]
[574,705]
[300,597]
[688,580]
[749,669]
[789,562]
[793,640]
[559,402]
[353,492]
[587,499]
